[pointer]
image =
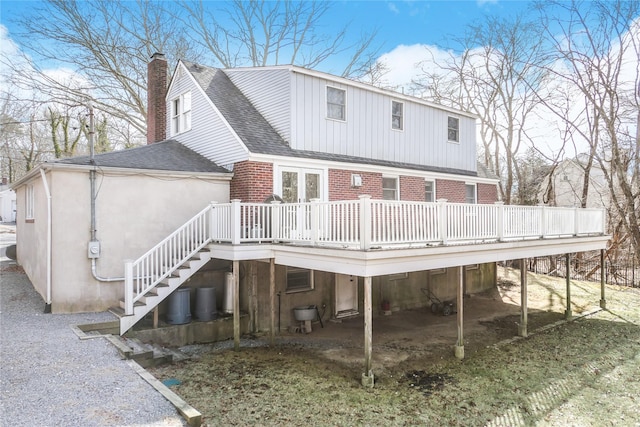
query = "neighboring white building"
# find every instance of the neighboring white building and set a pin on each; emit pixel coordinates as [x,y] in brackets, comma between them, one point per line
[563,187]
[7,204]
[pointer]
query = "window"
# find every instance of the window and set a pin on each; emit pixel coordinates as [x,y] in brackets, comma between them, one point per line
[453,129]
[390,188]
[397,116]
[336,103]
[299,279]
[181,114]
[429,191]
[470,193]
[29,203]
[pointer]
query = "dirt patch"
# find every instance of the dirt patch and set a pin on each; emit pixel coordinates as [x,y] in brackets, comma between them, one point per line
[584,372]
[11,269]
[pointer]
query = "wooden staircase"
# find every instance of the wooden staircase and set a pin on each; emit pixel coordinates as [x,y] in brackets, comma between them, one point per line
[155,295]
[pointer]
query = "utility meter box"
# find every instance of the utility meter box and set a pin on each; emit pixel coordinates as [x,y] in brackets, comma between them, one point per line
[93,250]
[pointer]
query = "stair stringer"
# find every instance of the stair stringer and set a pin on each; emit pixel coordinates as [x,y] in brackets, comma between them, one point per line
[154,296]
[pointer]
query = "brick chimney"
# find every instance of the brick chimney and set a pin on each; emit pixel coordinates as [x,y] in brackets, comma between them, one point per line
[156,92]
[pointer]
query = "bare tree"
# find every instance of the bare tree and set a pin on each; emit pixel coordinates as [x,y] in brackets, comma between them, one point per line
[260,33]
[496,82]
[597,52]
[106,45]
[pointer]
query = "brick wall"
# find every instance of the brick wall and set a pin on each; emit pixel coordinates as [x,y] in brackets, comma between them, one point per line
[412,188]
[156,92]
[487,193]
[453,191]
[252,182]
[340,185]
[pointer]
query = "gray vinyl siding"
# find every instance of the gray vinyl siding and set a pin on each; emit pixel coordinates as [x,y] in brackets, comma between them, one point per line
[367,131]
[209,135]
[270,93]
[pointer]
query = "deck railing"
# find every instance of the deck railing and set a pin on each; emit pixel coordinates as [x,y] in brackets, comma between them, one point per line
[354,224]
[368,223]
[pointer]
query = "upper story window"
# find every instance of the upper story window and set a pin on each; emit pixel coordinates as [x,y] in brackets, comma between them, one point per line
[181,113]
[336,103]
[470,193]
[29,203]
[390,188]
[429,191]
[453,129]
[397,115]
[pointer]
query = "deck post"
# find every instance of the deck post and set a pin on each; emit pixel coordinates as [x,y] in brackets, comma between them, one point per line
[500,220]
[236,305]
[603,270]
[365,221]
[522,327]
[543,220]
[275,220]
[459,348]
[272,299]
[253,296]
[235,222]
[128,287]
[315,221]
[442,220]
[367,375]
[567,312]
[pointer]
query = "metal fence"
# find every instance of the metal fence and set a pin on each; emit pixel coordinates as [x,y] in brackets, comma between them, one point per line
[586,267]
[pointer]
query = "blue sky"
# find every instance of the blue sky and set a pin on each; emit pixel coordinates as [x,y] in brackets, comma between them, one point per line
[404,22]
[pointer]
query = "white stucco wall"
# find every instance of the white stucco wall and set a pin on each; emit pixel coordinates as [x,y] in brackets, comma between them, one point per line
[31,235]
[133,213]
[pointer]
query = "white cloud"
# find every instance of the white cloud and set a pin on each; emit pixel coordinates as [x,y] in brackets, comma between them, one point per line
[393,8]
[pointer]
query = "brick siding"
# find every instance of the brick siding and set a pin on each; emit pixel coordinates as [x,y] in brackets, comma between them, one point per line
[487,193]
[453,191]
[252,182]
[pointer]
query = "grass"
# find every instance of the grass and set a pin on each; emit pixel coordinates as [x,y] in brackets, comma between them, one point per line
[581,373]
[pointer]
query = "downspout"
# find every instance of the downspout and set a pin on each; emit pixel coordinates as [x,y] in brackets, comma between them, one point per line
[94,244]
[47,306]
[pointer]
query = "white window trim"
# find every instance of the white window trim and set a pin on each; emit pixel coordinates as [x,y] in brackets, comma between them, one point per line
[453,141]
[433,182]
[29,207]
[183,115]
[401,128]
[326,104]
[397,178]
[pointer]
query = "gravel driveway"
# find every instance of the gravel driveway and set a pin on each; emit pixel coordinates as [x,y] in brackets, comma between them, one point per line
[49,377]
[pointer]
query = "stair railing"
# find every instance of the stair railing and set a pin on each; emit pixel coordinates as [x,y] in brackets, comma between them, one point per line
[146,272]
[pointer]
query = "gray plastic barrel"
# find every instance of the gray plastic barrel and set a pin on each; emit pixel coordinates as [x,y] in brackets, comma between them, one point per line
[206,304]
[179,310]
[229,290]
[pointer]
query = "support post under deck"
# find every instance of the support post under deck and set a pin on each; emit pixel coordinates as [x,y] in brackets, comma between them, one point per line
[567,312]
[367,375]
[603,271]
[522,327]
[459,348]
[236,305]
[272,299]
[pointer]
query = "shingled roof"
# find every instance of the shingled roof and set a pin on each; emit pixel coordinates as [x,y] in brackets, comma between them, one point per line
[260,137]
[166,156]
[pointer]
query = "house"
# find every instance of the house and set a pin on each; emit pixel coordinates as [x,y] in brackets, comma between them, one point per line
[281,182]
[564,185]
[7,203]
